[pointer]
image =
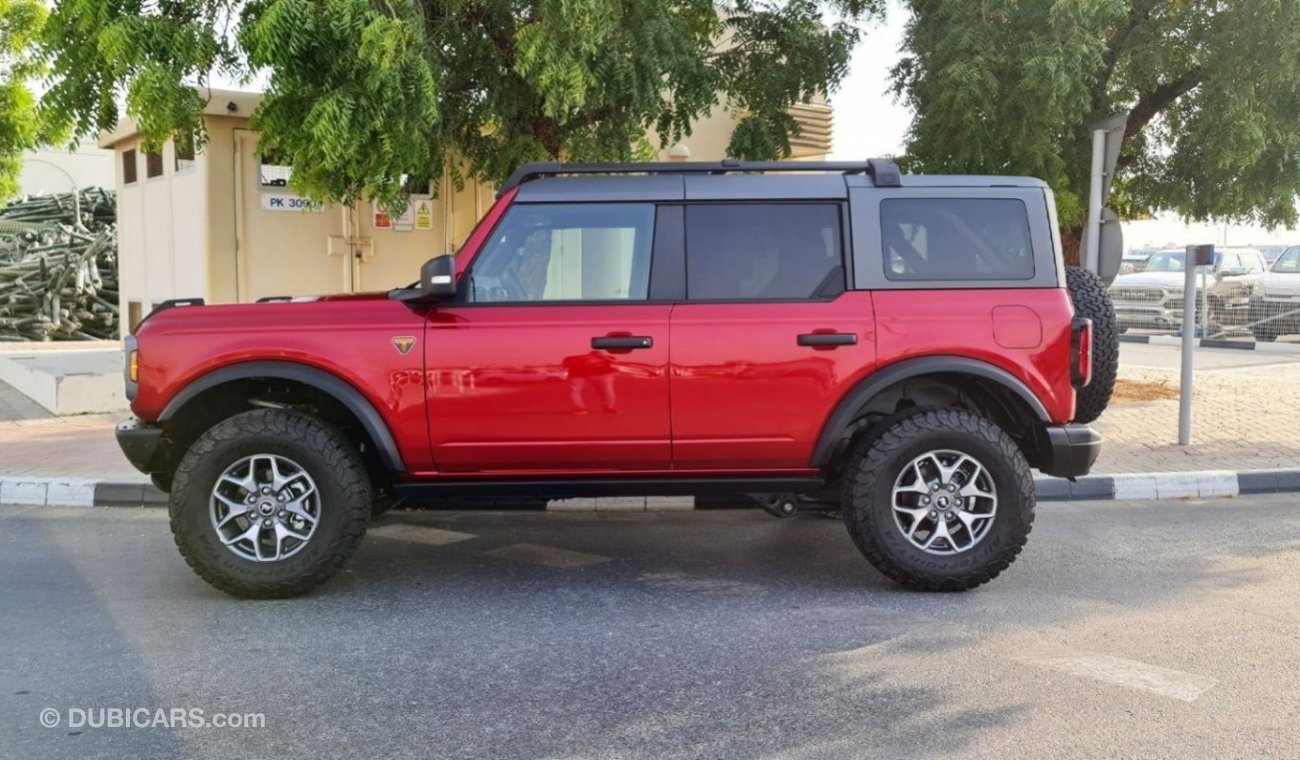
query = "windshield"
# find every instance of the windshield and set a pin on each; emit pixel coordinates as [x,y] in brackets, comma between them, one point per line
[1289,261]
[1169,261]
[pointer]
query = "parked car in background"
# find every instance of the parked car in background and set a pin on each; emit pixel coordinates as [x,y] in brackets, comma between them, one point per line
[1153,298]
[1275,309]
[1134,261]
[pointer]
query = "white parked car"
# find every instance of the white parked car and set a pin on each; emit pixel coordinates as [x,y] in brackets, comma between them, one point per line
[1275,309]
[1153,298]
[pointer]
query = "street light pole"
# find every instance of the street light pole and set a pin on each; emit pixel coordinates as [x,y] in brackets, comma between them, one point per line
[76,192]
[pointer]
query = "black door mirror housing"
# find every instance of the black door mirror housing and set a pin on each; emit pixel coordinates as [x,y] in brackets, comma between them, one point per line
[438,278]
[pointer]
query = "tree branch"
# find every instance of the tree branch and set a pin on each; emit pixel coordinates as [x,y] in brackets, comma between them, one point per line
[1150,104]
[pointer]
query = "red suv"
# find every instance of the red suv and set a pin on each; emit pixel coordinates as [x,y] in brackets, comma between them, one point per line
[912,346]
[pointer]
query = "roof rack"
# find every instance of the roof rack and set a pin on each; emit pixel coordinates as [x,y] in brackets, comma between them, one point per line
[884,172]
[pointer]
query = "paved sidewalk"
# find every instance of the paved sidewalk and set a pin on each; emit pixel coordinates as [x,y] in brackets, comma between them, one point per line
[60,447]
[1243,418]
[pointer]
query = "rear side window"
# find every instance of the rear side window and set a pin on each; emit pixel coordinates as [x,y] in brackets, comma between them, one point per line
[567,252]
[956,239]
[763,251]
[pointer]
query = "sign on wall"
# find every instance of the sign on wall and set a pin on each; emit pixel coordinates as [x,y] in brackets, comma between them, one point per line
[405,222]
[423,215]
[290,202]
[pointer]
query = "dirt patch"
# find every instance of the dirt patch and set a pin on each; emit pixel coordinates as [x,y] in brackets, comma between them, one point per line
[1127,391]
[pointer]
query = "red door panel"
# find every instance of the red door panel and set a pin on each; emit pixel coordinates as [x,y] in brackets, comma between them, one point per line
[746,395]
[521,389]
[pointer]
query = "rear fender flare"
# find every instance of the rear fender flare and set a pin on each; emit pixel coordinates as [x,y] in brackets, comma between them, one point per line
[839,424]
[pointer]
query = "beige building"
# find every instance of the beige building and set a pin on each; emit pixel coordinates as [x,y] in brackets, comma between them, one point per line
[223,225]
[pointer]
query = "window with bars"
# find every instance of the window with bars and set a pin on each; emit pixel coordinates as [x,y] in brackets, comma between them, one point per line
[129,169]
[153,165]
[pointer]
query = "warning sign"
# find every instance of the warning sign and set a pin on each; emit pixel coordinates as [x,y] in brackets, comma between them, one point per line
[382,220]
[423,215]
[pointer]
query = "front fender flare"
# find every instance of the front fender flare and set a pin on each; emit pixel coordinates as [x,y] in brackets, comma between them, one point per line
[341,390]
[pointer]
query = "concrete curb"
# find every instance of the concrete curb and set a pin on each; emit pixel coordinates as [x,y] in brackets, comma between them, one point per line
[1206,484]
[85,492]
[1238,345]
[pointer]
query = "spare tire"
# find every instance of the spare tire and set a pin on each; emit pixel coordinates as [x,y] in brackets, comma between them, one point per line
[1088,294]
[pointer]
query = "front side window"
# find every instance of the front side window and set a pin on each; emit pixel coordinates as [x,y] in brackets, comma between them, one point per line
[763,251]
[567,252]
[956,239]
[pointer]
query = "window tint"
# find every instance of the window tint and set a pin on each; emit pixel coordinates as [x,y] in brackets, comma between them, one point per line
[762,251]
[567,252]
[956,239]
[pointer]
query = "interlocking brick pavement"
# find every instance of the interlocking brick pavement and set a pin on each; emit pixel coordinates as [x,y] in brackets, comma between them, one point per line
[72,447]
[1243,418]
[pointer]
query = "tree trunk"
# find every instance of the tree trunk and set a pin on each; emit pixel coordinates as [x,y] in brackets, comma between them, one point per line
[1070,240]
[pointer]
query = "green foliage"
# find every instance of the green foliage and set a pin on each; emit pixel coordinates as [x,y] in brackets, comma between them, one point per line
[1010,86]
[20,23]
[363,94]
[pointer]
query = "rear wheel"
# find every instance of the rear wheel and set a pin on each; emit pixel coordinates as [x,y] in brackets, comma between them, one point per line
[942,500]
[269,503]
[1088,294]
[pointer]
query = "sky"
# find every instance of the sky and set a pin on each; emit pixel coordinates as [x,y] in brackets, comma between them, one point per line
[869,123]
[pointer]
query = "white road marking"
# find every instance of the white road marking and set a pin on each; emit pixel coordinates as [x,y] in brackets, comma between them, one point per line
[547,556]
[683,582]
[1130,673]
[419,534]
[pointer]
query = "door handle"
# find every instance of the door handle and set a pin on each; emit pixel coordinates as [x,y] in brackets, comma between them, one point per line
[624,342]
[828,339]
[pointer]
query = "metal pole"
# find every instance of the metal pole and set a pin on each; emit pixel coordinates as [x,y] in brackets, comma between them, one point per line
[1205,304]
[76,193]
[1189,330]
[1091,255]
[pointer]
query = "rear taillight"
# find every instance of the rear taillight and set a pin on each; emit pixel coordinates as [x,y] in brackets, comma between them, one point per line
[1081,352]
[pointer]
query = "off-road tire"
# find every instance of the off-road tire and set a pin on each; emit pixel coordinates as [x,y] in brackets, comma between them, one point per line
[341,479]
[1088,294]
[875,464]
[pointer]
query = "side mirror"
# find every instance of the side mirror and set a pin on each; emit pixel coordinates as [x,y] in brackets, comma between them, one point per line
[438,278]
[1235,271]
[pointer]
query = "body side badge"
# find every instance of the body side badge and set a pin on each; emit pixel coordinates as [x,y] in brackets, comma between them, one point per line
[404,343]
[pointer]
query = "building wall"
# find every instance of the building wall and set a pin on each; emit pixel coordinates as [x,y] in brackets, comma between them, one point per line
[160,256]
[86,164]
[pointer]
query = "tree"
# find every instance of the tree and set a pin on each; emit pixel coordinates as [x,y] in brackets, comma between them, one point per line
[363,94]
[20,22]
[1212,87]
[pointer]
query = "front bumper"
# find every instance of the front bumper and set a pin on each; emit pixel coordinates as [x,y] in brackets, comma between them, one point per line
[144,445]
[1069,451]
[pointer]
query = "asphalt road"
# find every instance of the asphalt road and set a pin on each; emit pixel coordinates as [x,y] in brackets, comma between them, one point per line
[1125,630]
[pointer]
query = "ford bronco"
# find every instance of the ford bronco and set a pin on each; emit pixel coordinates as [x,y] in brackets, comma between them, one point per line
[910,346]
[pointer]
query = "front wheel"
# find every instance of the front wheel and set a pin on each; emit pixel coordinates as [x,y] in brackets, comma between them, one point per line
[943,500]
[269,503]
